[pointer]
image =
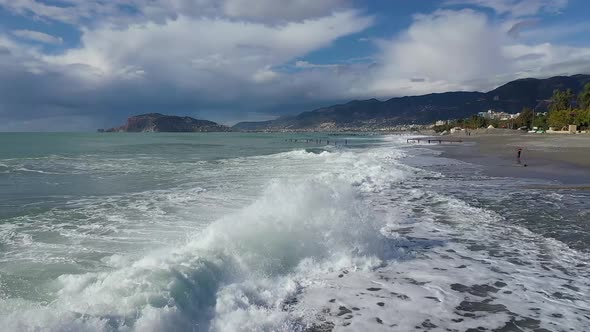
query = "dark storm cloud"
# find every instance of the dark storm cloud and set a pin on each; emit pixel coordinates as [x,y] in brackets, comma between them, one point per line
[531,56]
[213,68]
[61,99]
[516,29]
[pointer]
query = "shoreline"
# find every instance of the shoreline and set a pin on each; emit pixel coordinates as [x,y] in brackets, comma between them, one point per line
[562,159]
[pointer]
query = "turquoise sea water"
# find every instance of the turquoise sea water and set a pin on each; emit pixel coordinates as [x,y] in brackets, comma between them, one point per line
[276,232]
[42,169]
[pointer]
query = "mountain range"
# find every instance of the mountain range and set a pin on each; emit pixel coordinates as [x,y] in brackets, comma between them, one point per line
[370,114]
[511,97]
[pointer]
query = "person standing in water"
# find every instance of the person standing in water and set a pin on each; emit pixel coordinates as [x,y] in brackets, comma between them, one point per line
[519,157]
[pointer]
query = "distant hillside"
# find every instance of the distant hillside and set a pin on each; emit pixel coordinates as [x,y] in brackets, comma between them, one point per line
[511,98]
[155,122]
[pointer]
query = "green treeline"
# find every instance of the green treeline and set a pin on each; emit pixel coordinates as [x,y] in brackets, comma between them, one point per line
[566,108]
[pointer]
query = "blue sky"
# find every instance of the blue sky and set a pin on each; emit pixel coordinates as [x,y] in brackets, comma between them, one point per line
[85,64]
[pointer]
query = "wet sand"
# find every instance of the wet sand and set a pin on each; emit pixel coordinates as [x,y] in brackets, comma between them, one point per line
[556,157]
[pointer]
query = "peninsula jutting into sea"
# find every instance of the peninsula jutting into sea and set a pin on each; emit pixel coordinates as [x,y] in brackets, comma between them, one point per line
[155,122]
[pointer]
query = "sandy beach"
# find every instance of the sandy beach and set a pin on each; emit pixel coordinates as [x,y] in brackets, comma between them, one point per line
[560,157]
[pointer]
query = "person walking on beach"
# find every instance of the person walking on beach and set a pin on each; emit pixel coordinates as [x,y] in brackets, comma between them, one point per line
[518,155]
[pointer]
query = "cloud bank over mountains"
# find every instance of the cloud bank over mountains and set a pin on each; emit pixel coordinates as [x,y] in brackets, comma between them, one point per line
[238,60]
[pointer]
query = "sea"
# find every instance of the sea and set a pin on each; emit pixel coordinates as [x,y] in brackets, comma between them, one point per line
[281,232]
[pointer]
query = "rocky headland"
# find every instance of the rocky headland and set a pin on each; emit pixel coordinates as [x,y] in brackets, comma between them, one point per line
[156,122]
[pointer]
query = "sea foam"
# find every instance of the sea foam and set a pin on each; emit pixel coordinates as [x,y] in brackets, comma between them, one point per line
[239,272]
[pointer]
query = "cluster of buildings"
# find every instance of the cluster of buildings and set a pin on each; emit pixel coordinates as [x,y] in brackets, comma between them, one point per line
[502,116]
[490,114]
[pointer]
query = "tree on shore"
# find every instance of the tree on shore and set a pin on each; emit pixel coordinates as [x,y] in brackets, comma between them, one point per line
[477,121]
[558,118]
[581,118]
[584,98]
[562,100]
[540,121]
[562,113]
[584,104]
[525,119]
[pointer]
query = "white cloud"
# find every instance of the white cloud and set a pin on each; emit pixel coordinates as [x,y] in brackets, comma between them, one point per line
[516,8]
[308,65]
[547,59]
[179,65]
[282,9]
[133,11]
[38,36]
[464,50]
[264,75]
[448,45]
[194,51]
[71,11]
[555,32]
[446,48]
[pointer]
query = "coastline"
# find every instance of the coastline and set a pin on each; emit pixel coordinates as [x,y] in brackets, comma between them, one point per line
[564,159]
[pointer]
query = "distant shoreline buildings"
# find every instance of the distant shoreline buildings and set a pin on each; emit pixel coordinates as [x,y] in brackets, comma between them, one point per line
[502,116]
[489,115]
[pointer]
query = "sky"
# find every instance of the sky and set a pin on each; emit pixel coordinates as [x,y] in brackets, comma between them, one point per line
[79,65]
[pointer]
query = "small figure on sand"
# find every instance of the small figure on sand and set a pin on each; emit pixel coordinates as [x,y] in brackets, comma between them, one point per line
[519,156]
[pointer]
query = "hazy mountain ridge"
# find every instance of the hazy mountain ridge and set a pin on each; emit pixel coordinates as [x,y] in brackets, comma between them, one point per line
[510,97]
